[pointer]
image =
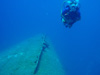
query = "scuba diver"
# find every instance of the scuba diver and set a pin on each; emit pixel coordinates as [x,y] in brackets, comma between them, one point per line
[70,12]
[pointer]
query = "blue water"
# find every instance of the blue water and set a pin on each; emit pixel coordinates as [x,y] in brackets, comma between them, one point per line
[78,48]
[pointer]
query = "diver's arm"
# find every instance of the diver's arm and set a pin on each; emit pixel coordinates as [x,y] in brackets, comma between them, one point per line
[63,6]
[65,3]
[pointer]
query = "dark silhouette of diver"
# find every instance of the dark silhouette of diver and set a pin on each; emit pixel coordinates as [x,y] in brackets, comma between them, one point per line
[70,12]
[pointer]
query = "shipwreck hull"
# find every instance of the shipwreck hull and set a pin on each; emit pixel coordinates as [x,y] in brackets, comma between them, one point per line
[35,56]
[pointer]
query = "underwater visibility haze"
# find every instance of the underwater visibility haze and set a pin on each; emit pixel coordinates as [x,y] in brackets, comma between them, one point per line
[78,47]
